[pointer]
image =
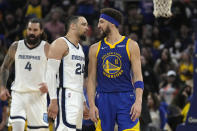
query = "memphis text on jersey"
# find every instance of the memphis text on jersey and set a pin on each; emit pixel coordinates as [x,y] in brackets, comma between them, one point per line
[76,57]
[28,57]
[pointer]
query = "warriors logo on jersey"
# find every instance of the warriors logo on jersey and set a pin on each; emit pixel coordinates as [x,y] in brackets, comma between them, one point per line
[112,65]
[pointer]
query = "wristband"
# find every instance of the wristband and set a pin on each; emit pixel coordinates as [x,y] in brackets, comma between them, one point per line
[139,84]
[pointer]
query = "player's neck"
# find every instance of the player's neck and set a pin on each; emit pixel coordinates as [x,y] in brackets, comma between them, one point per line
[113,37]
[72,38]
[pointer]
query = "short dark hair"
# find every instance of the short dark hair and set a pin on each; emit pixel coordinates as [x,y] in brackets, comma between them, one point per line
[117,15]
[36,20]
[69,20]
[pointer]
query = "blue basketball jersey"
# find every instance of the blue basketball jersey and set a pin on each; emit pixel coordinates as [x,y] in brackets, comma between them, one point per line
[114,66]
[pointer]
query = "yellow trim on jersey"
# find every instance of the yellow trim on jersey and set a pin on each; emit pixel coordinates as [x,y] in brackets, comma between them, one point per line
[135,128]
[98,126]
[127,48]
[113,46]
[99,46]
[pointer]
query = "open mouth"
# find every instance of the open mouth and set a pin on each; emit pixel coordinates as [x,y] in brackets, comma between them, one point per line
[32,38]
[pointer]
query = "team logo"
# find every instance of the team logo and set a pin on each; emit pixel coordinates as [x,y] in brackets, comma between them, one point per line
[69,95]
[45,117]
[112,65]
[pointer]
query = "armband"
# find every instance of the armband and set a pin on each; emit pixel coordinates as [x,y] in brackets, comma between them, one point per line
[52,70]
[139,84]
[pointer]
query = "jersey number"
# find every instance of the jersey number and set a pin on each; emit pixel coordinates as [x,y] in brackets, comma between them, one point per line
[28,66]
[80,69]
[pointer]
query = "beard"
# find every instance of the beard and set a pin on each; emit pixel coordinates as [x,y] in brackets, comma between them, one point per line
[82,37]
[33,41]
[103,34]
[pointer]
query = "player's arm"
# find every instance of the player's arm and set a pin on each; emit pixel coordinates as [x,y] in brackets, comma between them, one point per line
[91,88]
[57,50]
[4,117]
[5,68]
[43,86]
[46,49]
[137,78]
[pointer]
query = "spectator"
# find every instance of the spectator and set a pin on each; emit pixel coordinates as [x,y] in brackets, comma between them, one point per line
[186,67]
[34,8]
[164,64]
[168,88]
[54,26]
[153,104]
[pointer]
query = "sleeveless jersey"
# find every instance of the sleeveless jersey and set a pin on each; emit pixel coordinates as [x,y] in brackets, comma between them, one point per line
[30,67]
[71,72]
[114,66]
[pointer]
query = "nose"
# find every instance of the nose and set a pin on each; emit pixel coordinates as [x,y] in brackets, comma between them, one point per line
[30,32]
[98,25]
[87,28]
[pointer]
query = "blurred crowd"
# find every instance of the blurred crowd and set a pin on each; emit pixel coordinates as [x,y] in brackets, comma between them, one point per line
[166,45]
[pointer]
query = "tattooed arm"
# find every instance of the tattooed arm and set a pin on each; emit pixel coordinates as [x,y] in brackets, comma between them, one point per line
[4,70]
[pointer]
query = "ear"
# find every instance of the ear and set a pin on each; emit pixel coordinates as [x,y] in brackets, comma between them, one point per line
[112,25]
[73,26]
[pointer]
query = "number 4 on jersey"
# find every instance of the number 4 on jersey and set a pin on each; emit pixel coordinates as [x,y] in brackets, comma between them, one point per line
[28,66]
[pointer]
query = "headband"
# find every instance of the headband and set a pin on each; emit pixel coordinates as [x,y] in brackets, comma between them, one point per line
[110,19]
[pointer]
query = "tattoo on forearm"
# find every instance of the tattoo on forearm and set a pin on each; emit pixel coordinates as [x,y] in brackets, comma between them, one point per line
[4,74]
[8,60]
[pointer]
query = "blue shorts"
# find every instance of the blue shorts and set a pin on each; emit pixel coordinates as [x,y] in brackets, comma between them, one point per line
[115,108]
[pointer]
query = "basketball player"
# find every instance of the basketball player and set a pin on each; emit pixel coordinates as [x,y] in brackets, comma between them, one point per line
[111,63]
[29,90]
[67,57]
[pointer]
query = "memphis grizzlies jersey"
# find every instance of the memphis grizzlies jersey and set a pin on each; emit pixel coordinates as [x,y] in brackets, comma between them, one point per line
[71,72]
[114,66]
[30,67]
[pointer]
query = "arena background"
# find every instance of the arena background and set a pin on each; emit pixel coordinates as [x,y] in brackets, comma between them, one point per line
[167,48]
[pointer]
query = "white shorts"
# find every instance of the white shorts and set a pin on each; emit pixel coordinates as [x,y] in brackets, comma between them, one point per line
[70,113]
[31,106]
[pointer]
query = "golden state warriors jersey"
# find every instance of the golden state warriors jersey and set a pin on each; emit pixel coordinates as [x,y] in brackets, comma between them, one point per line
[30,67]
[71,71]
[114,66]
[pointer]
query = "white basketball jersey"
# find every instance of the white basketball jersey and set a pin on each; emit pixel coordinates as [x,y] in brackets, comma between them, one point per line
[30,67]
[71,71]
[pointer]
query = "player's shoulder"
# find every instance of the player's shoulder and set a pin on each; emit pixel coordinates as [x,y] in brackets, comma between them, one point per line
[59,42]
[133,44]
[60,39]
[95,45]
[47,44]
[14,45]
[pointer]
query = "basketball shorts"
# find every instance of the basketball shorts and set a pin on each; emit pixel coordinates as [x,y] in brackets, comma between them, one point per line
[115,108]
[70,113]
[31,106]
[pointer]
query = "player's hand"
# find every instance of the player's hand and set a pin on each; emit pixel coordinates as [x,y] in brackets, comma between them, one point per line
[85,111]
[43,88]
[94,113]
[136,110]
[4,93]
[53,109]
